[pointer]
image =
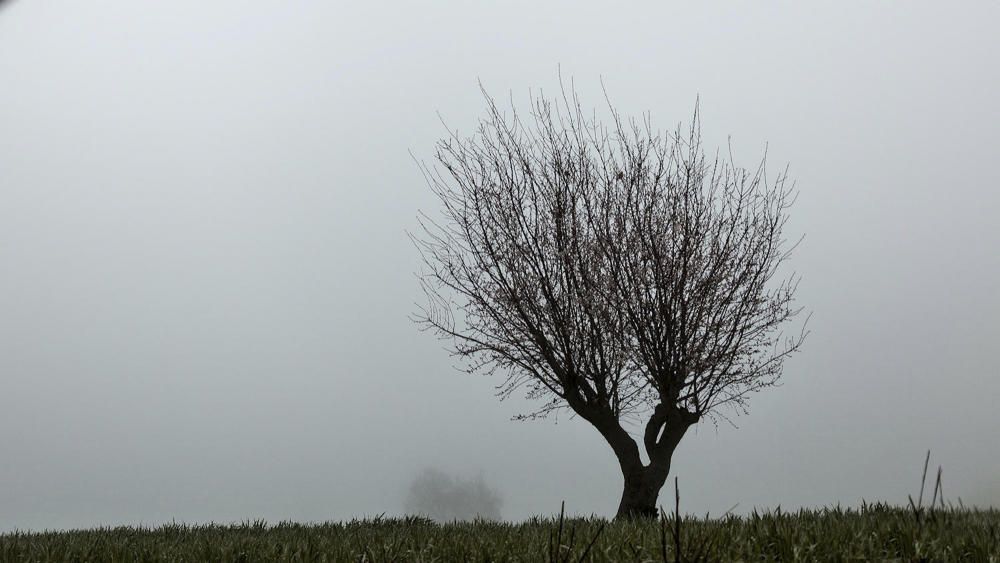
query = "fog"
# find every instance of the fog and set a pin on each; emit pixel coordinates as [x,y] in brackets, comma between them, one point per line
[445,498]
[206,283]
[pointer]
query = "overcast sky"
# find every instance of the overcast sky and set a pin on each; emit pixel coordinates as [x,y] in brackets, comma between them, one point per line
[205,278]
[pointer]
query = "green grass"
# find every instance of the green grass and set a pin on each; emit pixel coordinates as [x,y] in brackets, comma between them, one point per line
[874,532]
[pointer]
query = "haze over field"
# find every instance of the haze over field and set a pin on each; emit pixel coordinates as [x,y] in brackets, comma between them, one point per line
[205,278]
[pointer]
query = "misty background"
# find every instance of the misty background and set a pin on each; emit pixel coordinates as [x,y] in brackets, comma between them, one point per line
[446,498]
[205,278]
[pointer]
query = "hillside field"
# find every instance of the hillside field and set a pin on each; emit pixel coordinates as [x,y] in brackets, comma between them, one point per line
[873,532]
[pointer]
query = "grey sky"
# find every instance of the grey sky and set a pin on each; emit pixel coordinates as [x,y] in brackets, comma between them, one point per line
[205,278]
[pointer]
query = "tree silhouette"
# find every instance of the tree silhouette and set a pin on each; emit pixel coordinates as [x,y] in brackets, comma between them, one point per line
[612,270]
[443,498]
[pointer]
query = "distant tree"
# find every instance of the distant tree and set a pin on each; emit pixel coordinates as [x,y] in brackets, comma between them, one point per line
[444,498]
[612,270]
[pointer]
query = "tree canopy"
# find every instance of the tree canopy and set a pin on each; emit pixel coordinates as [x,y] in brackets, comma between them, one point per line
[613,270]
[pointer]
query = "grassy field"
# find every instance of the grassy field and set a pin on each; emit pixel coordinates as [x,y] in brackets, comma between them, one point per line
[874,532]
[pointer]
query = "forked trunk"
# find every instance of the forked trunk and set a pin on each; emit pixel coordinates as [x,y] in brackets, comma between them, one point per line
[642,482]
[641,489]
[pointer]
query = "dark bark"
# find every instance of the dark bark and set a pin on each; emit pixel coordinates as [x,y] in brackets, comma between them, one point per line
[642,482]
[641,489]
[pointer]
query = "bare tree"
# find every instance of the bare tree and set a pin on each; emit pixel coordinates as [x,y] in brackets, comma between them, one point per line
[612,270]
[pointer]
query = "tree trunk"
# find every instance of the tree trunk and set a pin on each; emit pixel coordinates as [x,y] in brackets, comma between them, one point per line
[641,489]
[642,482]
